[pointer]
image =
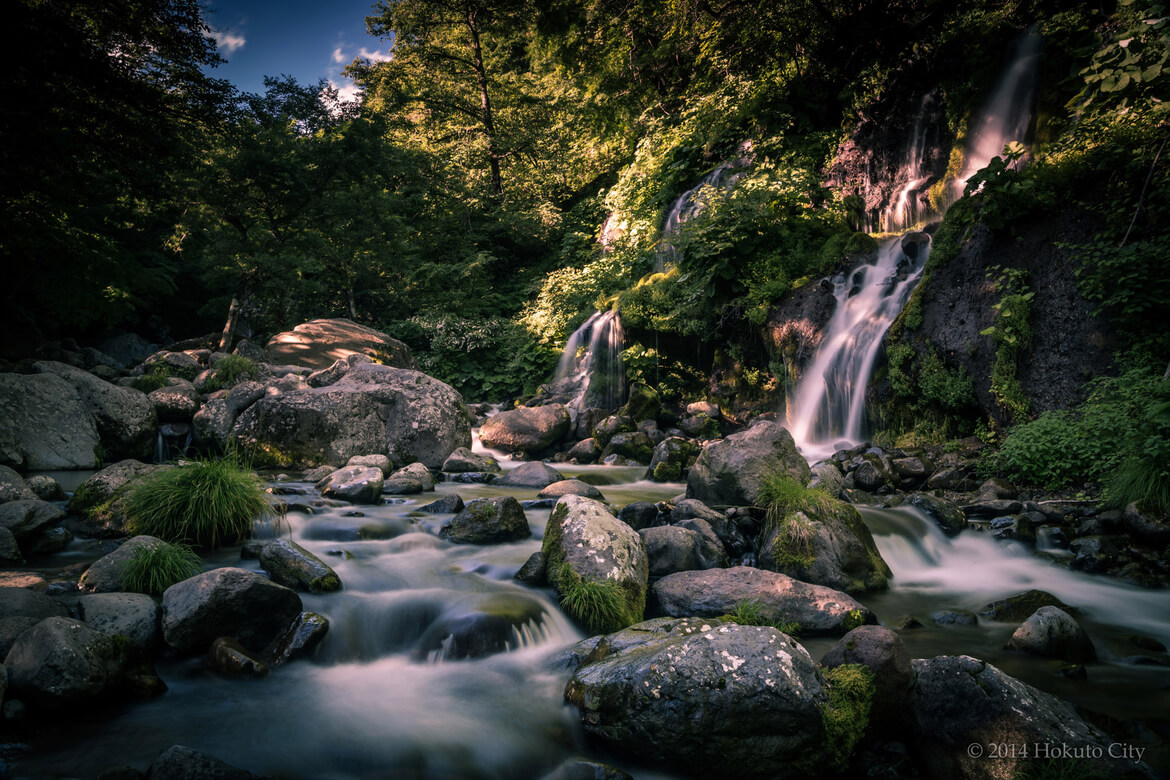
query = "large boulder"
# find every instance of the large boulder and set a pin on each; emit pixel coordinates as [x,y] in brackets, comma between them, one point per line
[62,663]
[28,519]
[373,409]
[526,429]
[731,471]
[135,616]
[488,521]
[833,548]
[962,708]
[320,343]
[212,424]
[356,484]
[584,543]
[99,500]
[709,699]
[671,459]
[24,603]
[44,425]
[227,602]
[818,610]
[295,567]
[13,487]
[126,419]
[464,461]
[182,763]
[105,574]
[673,549]
[1053,633]
[533,474]
[882,652]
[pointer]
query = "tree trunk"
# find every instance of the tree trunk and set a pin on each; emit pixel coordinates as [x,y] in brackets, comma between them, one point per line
[229,328]
[489,127]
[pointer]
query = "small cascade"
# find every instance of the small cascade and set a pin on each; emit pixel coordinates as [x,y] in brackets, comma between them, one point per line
[906,210]
[593,375]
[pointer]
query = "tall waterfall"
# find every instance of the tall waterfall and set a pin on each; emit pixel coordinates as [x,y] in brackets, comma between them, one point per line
[591,367]
[828,404]
[906,210]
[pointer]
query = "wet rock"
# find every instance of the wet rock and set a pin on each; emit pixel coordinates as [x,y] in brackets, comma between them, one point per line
[99,500]
[954,617]
[573,487]
[44,425]
[526,429]
[298,640]
[996,488]
[227,656]
[1146,527]
[418,472]
[317,474]
[227,602]
[945,514]
[533,572]
[701,697]
[21,602]
[912,470]
[583,542]
[14,488]
[611,426]
[1099,554]
[725,528]
[633,446]
[126,419]
[672,549]
[873,473]
[881,651]
[451,503]
[402,487]
[46,488]
[531,475]
[584,451]
[291,565]
[135,616]
[61,663]
[177,402]
[1053,633]
[672,459]
[105,575]
[380,462]
[182,763]
[818,610]
[1016,608]
[28,519]
[488,521]
[731,471]
[501,622]
[463,460]
[356,484]
[833,548]
[10,554]
[639,514]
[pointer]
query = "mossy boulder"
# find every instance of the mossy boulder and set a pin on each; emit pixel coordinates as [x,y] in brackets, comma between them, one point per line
[487,626]
[630,445]
[731,471]
[100,499]
[833,548]
[295,567]
[528,429]
[945,514]
[642,403]
[488,521]
[62,663]
[106,573]
[227,602]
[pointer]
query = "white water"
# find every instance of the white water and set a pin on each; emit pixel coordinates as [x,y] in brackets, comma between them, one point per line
[693,201]
[594,374]
[906,210]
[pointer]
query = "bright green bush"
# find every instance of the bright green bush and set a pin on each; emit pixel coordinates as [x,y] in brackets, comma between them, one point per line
[207,503]
[152,570]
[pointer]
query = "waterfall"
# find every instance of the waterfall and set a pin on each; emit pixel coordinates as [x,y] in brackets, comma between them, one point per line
[595,376]
[827,407]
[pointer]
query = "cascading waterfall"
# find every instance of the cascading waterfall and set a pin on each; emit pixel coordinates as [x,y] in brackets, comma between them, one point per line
[827,407]
[905,211]
[594,375]
[693,201]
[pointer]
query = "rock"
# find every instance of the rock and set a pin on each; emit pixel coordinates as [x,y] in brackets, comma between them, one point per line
[818,610]
[639,514]
[334,373]
[212,424]
[959,701]
[227,602]
[633,446]
[374,409]
[10,553]
[45,487]
[401,487]
[320,343]
[1017,608]
[954,617]
[881,651]
[533,474]
[672,457]
[12,627]
[828,478]
[380,462]
[526,429]
[642,403]
[996,488]
[105,575]
[99,499]
[135,616]
[183,763]
[24,603]
[1053,633]
[62,663]
[872,473]
[581,769]
[51,541]
[227,656]
[833,548]
[127,349]
[913,470]
[700,427]
[126,419]
[356,484]
[703,697]
[44,425]
[417,472]
[317,474]
[291,565]
[176,402]
[27,519]
[950,478]
[1096,554]
[567,487]
[945,514]
[584,543]
[463,461]
[672,549]
[175,364]
[725,528]
[298,640]
[13,487]
[710,550]
[533,572]
[584,451]
[992,508]
[451,503]
[488,521]
[609,427]
[732,470]
[489,626]
[704,408]
[1146,527]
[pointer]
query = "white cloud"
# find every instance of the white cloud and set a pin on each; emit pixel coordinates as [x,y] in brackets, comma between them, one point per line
[347,91]
[227,42]
[375,56]
[338,57]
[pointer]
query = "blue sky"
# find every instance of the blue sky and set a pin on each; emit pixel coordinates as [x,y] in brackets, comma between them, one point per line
[307,39]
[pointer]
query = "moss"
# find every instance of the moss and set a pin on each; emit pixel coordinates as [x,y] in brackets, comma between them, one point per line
[667,472]
[846,715]
[792,546]
[855,619]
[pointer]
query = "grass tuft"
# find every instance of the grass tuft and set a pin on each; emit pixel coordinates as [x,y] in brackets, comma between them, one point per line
[781,494]
[230,370]
[206,503]
[751,613]
[598,606]
[152,570]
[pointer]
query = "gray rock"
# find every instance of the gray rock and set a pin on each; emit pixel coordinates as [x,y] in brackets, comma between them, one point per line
[534,571]
[227,602]
[609,427]
[573,487]
[126,419]
[105,575]
[632,446]
[46,488]
[873,473]
[317,474]
[380,462]
[299,639]
[135,616]
[10,553]
[451,503]
[295,567]
[49,541]
[320,343]
[828,478]
[13,487]
[672,549]
[710,550]
[639,514]
[463,460]
[954,617]
[356,484]
[177,402]
[488,521]
[62,663]
[946,514]
[714,592]
[672,458]
[418,472]
[1019,607]
[704,408]
[176,364]
[526,429]
[833,548]
[1146,526]
[44,425]
[229,657]
[881,651]
[334,373]
[583,542]
[533,474]
[99,500]
[401,487]
[373,409]
[488,626]
[584,451]
[27,519]
[182,763]
[725,528]
[12,627]
[1053,633]
[732,470]
[21,602]
[704,697]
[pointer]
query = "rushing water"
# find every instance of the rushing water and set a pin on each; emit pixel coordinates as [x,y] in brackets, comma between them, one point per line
[591,368]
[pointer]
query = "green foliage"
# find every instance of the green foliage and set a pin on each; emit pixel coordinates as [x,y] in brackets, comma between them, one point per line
[751,613]
[207,503]
[231,370]
[1144,476]
[1130,282]
[1012,334]
[152,570]
[846,716]
[781,494]
[155,379]
[1130,72]
[792,546]
[1055,769]
[599,606]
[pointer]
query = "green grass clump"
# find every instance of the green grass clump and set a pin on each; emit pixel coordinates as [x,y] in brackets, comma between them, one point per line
[781,494]
[206,503]
[152,570]
[598,606]
[846,716]
[230,370]
[156,379]
[751,613]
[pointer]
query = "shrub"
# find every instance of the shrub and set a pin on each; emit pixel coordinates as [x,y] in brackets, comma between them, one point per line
[206,502]
[152,570]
